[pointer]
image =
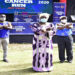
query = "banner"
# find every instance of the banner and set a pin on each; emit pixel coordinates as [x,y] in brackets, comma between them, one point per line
[11,6]
[26,17]
[59,10]
[21,28]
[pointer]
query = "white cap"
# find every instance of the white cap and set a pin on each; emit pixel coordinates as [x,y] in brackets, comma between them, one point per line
[2,15]
[63,17]
[44,14]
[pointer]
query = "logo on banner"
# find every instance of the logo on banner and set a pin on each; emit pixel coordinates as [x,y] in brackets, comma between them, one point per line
[59,6]
[62,6]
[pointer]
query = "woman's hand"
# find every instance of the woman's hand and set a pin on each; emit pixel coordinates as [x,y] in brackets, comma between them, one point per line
[48,29]
[1,26]
[69,26]
[43,31]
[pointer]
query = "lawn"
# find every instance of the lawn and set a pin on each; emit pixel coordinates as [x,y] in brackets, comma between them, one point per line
[20,62]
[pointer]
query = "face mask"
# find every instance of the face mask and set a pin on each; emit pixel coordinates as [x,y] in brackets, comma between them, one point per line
[2,19]
[43,20]
[64,21]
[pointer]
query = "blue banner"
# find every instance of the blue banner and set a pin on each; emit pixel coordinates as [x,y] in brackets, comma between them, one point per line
[21,28]
[26,17]
[59,10]
[11,6]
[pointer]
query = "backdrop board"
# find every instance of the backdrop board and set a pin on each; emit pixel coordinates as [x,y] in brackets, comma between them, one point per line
[26,17]
[21,28]
[11,6]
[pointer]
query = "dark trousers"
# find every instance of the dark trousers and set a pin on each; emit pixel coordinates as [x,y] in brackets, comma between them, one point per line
[65,43]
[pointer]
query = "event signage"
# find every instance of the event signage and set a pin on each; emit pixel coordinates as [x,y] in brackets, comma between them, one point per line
[26,17]
[11,6]
[59,10]
[21,28]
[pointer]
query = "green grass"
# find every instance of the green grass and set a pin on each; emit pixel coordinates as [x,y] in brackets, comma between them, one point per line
[20,62]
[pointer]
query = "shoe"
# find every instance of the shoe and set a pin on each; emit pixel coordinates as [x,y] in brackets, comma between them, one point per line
[70,61]
[62,61]
[5,60]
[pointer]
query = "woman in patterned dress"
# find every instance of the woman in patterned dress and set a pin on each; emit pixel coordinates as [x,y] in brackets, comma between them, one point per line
[42,44]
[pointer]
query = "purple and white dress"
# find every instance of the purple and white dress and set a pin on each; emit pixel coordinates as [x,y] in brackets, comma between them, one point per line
[42,48]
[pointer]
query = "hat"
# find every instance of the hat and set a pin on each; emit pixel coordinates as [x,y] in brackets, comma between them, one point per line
[2,15]
[63,17]
[44,14]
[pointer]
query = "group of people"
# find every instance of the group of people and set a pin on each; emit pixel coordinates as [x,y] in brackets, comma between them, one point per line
[42,41]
